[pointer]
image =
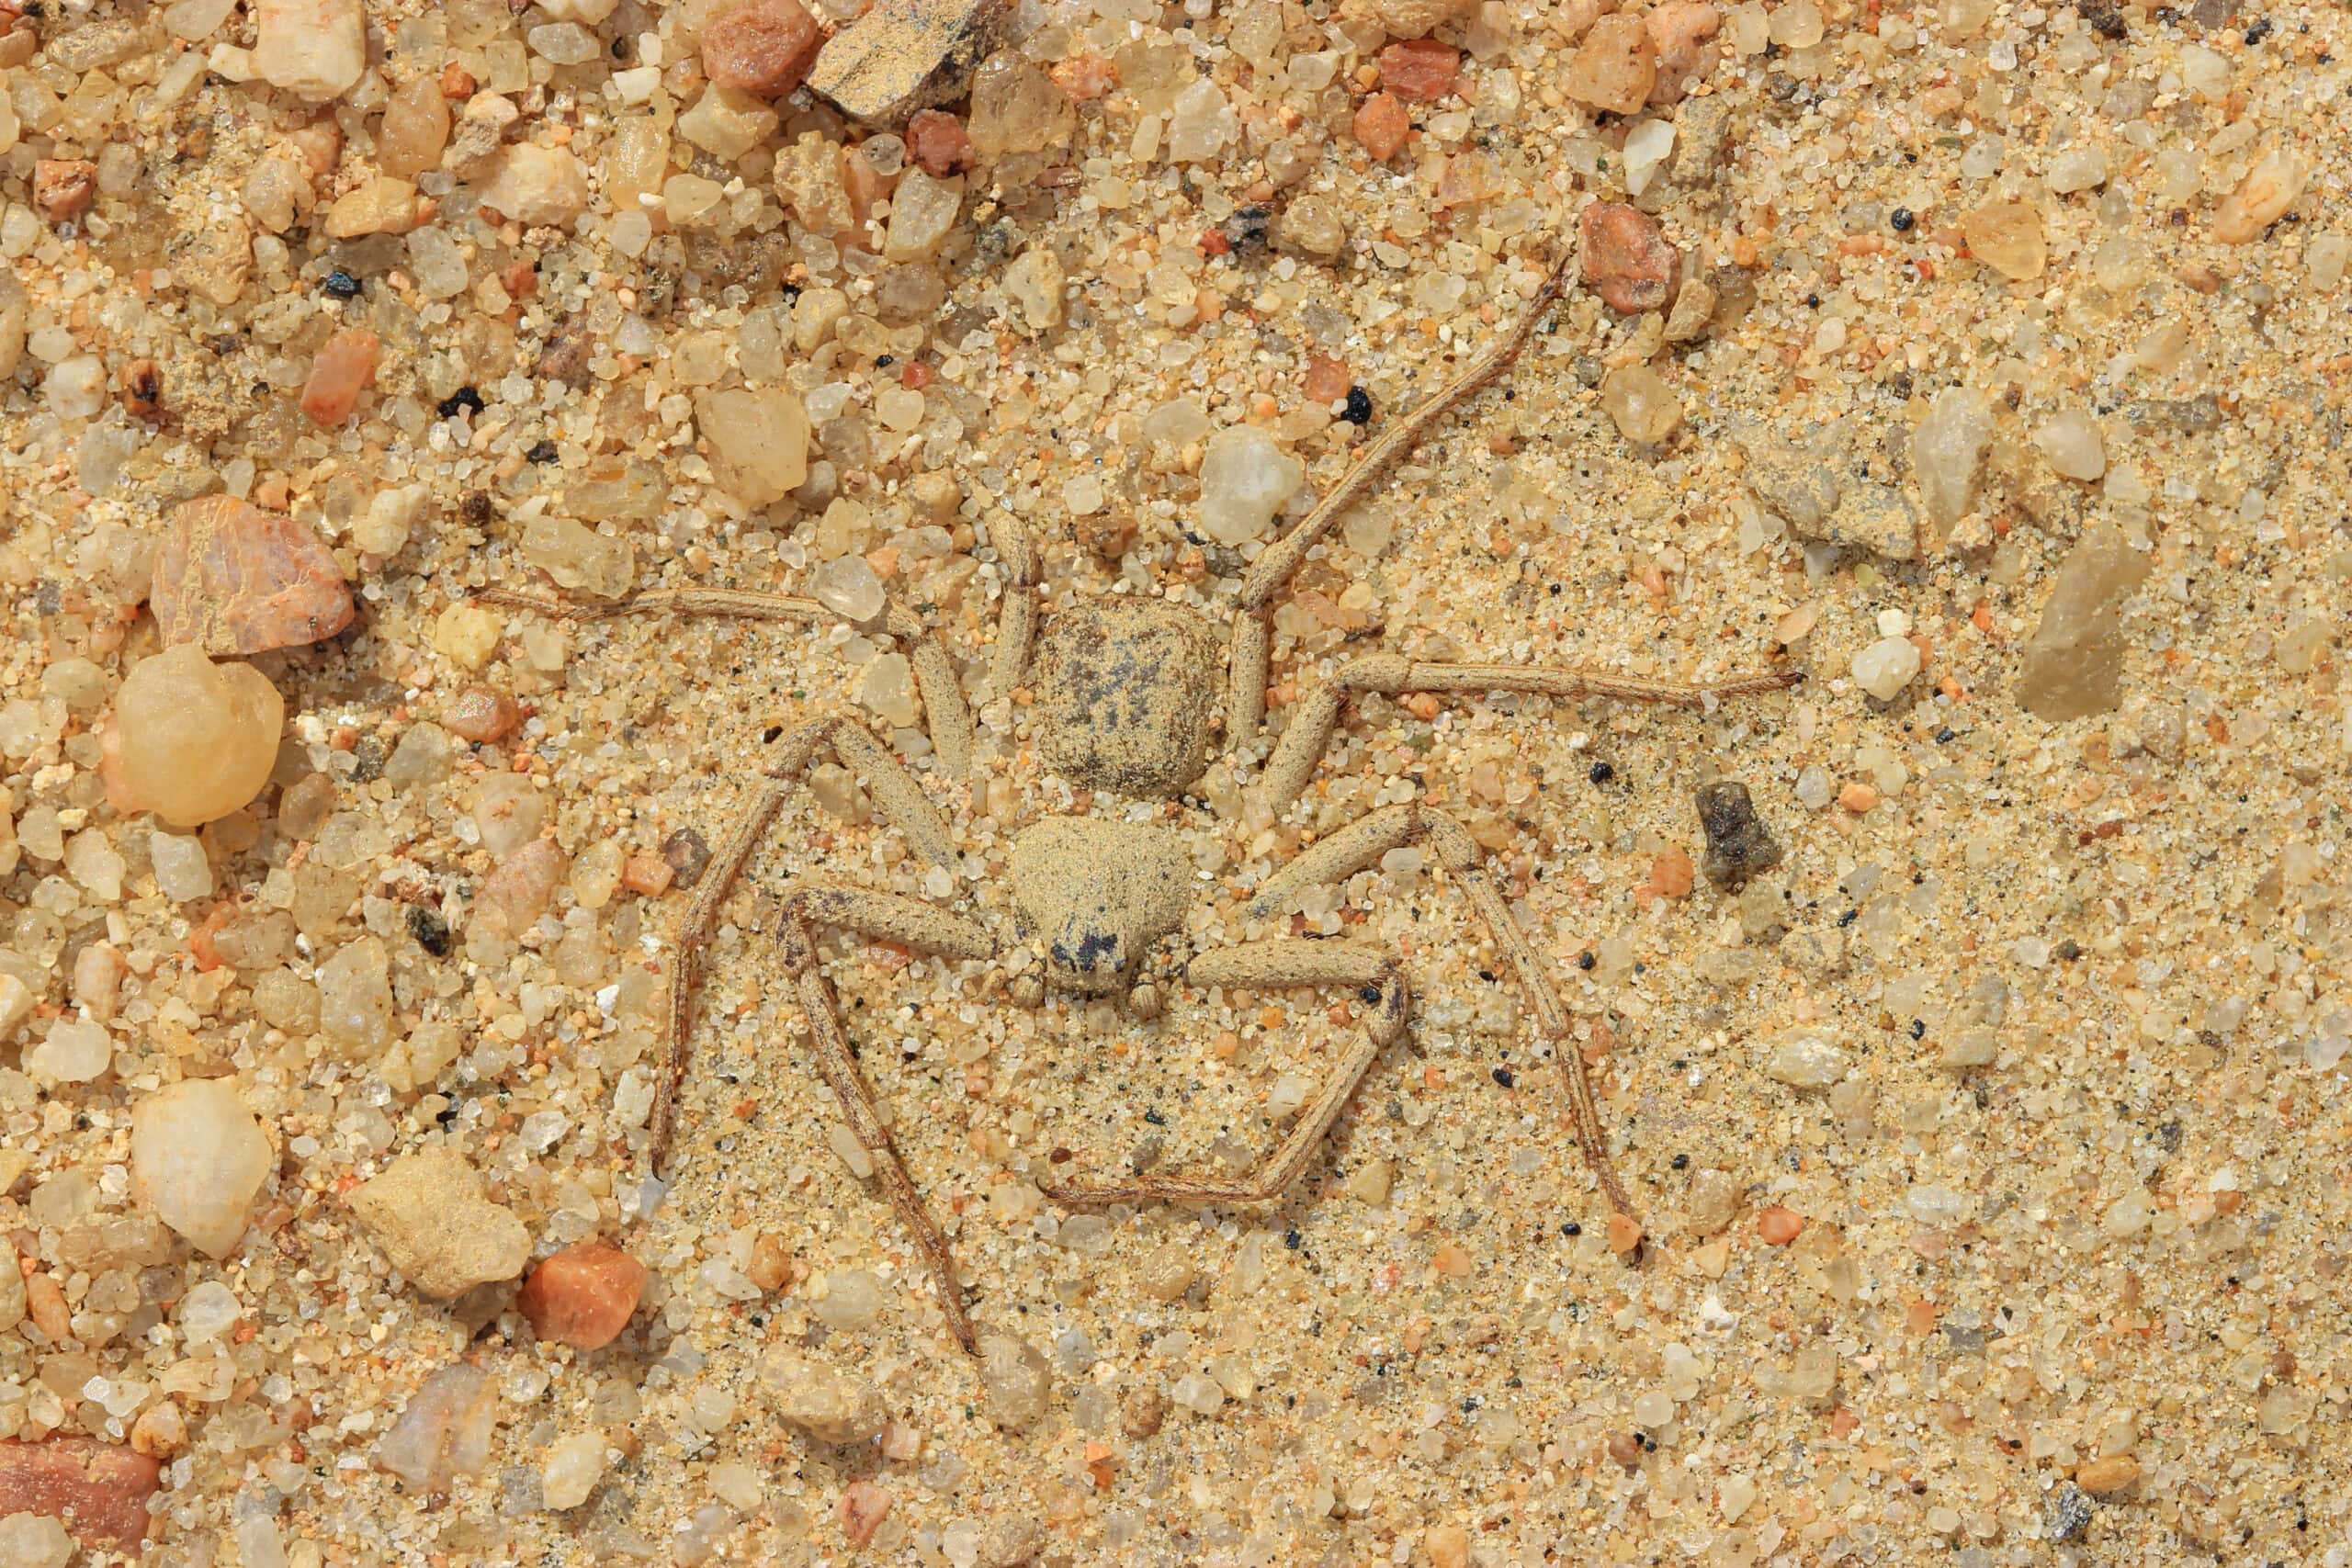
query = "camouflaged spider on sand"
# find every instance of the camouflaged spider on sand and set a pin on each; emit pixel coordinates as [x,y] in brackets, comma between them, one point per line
[1125,708]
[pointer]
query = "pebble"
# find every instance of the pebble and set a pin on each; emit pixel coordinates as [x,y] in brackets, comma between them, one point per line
[1420,71]
[2007,236]
[847,1299]
[64,188]
[415,129]
[1381,125]
[197,1158]
[2072,665]
[537,185]
[379,206]
[765,47]
[759,442]
[316,50]
[1738,844]
[1407,19]
[1683,34]
[427,1212]
[1643,407]
[568,1476]
[183,871]
[1015,1380]
[444,1431]
[195,740]
[1883,667]
[923,210]
[2268,190]
[15,1004]
[848,586]
[1615,66]
[29,1541]
[524,885]
[1807,1060]
[2072,443]
[1858,797]
[2113,1474]
[1948,448]
[1779,1226]
[343,368]
[1627,259]
[467,635]
[482,715]
[578,558]
[1245,478]
[1033,282]
[909,56]
[1310,226]
[938,144]
[828,1405]
[234,580]
[102,1487]
[864,1506]
[582,1296]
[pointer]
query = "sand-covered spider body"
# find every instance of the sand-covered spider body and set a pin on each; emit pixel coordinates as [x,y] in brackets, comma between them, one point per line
[1124,705]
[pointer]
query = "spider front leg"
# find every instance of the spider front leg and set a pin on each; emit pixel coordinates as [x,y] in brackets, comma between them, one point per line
[1308,734]
[912,923]
[1281,965]
[1342,855]
[946,714]
[901,803]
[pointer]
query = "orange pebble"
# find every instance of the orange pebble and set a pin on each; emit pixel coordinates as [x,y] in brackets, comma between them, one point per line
[648,875]
[1858,797]
[1780,1226]
[1625,1233]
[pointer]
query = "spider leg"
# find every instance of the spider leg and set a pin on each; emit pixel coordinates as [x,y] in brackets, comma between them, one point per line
[1312,722]
[1272,571]
[946,714]
[1016,626]
[1270,965]
[1342,855]
[916,924]
[901,802]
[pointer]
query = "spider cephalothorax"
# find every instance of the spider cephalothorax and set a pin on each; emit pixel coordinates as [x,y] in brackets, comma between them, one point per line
[1123,707]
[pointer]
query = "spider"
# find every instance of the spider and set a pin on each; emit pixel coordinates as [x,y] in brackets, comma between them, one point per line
[1125,703]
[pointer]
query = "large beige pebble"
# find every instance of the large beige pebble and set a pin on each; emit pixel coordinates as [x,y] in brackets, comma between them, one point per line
[316,50]
[195,740]
[427,1211]
[197,1157]
[830,1407]
[536,185]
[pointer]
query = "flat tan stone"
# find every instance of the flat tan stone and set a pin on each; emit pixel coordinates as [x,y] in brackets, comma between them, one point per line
[905,55]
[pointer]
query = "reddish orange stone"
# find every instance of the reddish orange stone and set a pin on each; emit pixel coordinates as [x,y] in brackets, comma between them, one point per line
[584,1296]
[235,579]
[1670,875]
[862,1507]
[346,363]
[1420,71]
[1327,379]
[100,1490]
[1627,261]
[1381,126]
[482,715]
[939,144]
[1780,1226]
[63,188]
[762,47]
[648,875]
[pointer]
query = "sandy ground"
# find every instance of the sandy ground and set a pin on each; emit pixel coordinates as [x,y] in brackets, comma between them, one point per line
[1986,1148]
